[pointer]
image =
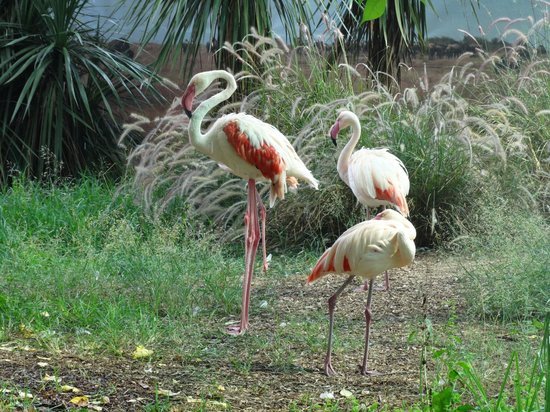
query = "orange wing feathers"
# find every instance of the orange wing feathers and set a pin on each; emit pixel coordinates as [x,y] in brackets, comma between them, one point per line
[265,159]
[393,196]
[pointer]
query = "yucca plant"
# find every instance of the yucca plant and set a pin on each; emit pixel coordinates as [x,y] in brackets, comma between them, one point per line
[62,91]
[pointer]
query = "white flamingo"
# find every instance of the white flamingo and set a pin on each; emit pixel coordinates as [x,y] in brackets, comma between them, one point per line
[251,149]
[375,176]
[365,250]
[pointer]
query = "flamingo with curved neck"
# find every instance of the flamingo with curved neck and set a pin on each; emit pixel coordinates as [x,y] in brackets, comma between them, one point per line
[375,176]
[251,149]
[365,250]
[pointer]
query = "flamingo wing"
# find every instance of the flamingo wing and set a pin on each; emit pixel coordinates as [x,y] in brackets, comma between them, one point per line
[365,249]
[268,150]
[379,175]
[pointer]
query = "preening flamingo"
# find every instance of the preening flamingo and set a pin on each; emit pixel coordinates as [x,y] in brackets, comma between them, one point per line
[375,176]
[251,149]
[365,250]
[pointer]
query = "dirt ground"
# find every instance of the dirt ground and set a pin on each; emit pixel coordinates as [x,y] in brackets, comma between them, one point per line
[428,287]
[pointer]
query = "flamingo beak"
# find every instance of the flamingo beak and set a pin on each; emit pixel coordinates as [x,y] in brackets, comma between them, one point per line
[187,99]
[334,132]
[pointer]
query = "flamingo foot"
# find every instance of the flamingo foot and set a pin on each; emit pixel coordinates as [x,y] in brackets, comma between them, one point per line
[366,372]
[329,370]
[236,330]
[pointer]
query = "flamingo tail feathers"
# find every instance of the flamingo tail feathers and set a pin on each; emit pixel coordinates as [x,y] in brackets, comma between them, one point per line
[319,269]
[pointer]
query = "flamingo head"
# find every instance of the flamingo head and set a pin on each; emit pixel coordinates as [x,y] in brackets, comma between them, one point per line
[198,83]
[345,119]
[398,219]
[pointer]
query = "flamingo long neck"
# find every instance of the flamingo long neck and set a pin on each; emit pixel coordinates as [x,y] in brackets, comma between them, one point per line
[199,140]
[345,154]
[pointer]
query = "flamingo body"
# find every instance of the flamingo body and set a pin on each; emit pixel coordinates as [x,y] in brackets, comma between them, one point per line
[251,149]
[366,250]
[375,176]
[369,248]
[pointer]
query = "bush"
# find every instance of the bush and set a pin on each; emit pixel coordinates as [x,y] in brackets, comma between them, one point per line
[452,144]
[62,90]
[508,277]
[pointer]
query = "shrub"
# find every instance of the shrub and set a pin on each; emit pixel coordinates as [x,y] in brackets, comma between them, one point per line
[452,145]
[62,91]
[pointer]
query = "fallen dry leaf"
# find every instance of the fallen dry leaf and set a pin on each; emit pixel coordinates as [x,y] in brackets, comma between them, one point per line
[69,388]
[345,393]
[51,378]
[42,364]
[25,395]
[135,400]
[142,352]
[81,401]
[166,392]
[26,331]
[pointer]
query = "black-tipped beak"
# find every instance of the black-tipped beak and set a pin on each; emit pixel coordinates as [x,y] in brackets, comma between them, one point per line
[334,142]
[188,113]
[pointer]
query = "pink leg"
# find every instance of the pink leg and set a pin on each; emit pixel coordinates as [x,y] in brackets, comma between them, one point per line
[368,320]
[252,238]
[262,218]
[329,370]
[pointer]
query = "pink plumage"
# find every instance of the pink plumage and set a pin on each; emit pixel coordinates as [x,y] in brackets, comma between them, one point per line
[366,250]
[251,149]
[375,176]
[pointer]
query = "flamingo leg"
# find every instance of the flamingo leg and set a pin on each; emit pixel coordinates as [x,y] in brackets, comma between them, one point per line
[252,238]
[263,218]
[368,320]
[329,370]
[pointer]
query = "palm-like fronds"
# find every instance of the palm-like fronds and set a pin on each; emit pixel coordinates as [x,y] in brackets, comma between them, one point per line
[186,24]
[388,39]
[61,88]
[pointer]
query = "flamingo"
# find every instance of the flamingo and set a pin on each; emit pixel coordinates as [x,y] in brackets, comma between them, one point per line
[375,176]
[365,250]
[251,149]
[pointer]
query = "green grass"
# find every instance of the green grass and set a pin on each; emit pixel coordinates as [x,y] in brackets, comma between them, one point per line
[508,277]
[78,265]
[83,270]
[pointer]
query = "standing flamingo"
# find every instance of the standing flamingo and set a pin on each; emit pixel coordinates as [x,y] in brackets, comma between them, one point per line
[375,176]
[250,149]
[366,250]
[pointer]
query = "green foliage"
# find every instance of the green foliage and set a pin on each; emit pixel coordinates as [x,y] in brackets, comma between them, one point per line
[508,278]
[62,91]
[458,386]
[97,266]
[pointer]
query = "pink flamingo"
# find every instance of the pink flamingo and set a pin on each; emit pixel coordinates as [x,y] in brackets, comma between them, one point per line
[366,250]
[250,149]
[375,176]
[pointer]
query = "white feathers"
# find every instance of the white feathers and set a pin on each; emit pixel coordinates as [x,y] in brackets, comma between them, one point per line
[376,168]
[375,176]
